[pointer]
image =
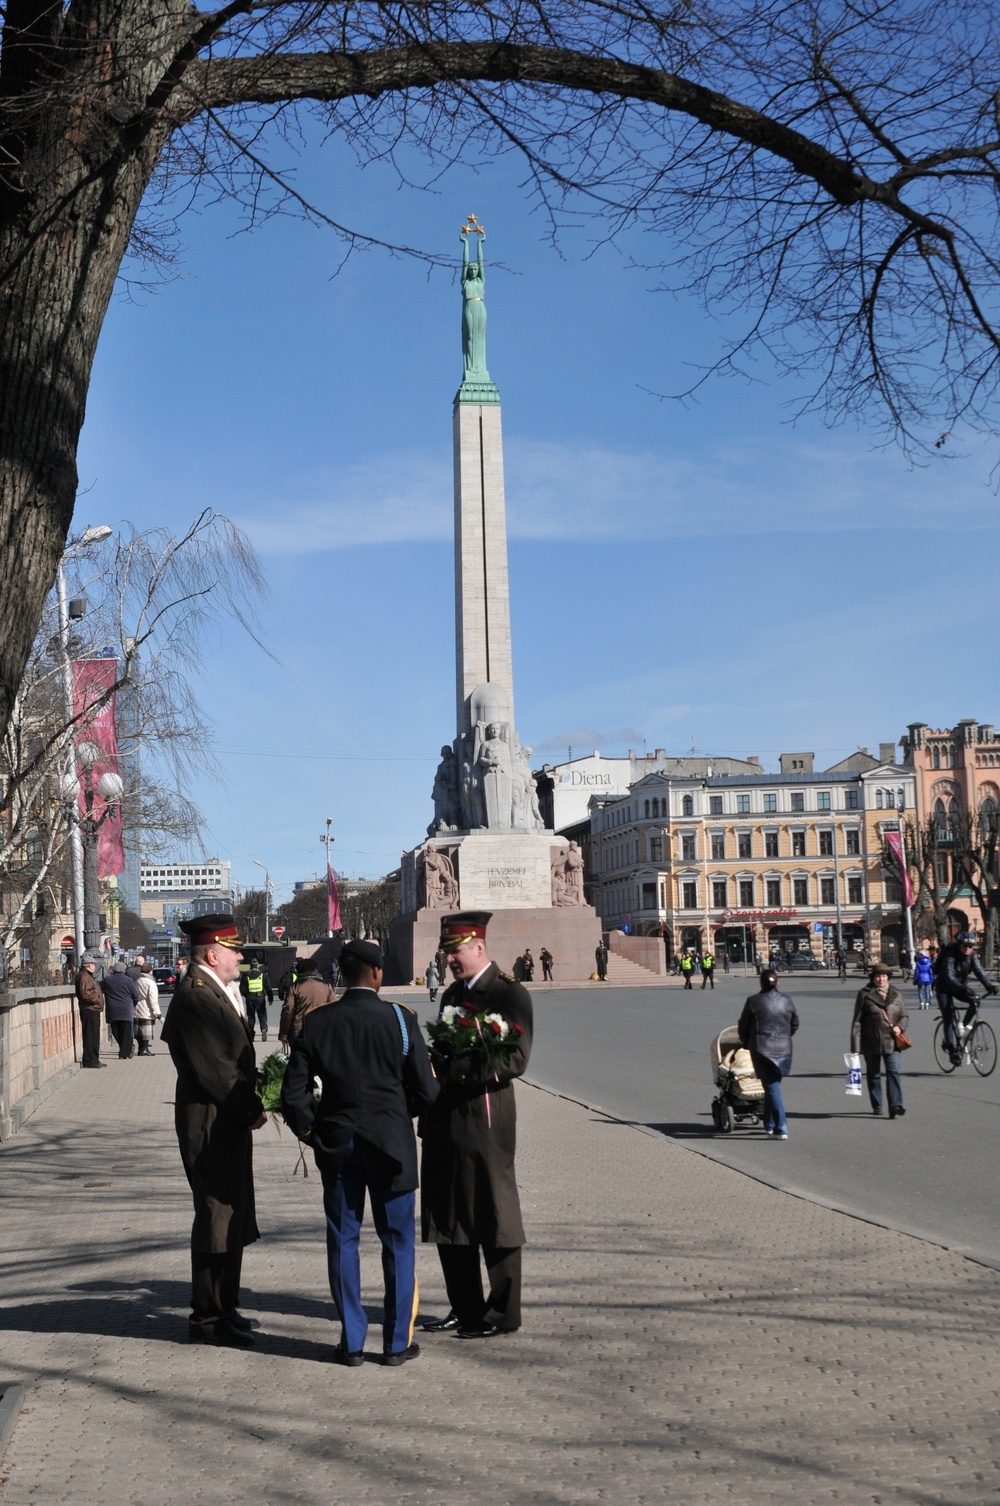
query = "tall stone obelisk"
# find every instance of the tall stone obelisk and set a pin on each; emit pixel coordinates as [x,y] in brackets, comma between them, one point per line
[482,598]
[487,846]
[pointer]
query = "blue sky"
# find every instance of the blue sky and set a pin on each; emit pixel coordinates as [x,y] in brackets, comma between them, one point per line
[709,575]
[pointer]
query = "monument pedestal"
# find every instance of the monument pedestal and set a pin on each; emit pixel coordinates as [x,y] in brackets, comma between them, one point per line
[516,876]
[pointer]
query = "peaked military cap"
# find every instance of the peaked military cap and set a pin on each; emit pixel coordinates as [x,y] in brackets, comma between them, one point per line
[212,930]
[468,925]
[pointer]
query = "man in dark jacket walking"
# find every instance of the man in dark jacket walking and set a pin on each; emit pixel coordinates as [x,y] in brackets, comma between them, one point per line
[121,995]
[307,993]
[90,997]
[470,1202]
[372,1063]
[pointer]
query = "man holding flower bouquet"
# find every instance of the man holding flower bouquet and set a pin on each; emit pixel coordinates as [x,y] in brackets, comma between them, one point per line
[480,1042]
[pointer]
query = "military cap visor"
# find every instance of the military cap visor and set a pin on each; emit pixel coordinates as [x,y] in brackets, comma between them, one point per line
[469,925]
[213,930]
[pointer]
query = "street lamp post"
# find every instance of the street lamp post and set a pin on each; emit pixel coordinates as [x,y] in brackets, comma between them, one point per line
[836,881]
[267,900]
[904,876]
[326,839]
[111,788]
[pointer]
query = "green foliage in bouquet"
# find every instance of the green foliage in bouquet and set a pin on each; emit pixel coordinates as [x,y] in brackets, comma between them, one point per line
[458,1031]
[270,1077]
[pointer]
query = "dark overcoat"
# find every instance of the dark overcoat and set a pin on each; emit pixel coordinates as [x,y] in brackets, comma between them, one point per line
[215,1105]
[468,1190]
[871,1031]
[370,1087]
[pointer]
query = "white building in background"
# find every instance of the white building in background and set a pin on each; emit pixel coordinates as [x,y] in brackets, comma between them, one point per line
[565,789]
[183,877]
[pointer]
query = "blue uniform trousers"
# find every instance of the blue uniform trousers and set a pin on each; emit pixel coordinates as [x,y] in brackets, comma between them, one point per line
[363,1171]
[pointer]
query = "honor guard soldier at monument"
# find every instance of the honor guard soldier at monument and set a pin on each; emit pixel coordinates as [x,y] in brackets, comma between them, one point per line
[471,1209]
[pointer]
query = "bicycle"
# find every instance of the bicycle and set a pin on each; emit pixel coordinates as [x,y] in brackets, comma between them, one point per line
[977,1042]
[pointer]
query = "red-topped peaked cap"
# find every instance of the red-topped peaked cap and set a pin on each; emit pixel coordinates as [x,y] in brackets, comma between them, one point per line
[470,925]
[213,930]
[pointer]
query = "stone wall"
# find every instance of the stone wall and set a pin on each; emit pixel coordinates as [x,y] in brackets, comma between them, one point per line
[39,1048]
[570,933]
[648,951]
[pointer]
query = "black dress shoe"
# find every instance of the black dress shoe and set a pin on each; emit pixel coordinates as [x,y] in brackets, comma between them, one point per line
[899,1111]
[222,1334]
[349,1357]
[400,1356]
[480,1331]
[440,1325]
[237,1320]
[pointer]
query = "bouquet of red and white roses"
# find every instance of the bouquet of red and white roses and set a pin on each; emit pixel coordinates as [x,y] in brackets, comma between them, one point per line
[459,1030]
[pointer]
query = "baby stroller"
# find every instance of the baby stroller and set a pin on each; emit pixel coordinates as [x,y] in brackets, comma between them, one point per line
[741,1092]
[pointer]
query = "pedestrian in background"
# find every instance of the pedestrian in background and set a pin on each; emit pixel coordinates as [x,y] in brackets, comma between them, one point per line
[725,962]
[147,1010]
[546,958]
[527,966]
[307,993]
[708,970]
[601,958]
[433,979]
[923,977]
[766,1027]
[90,998]
[121,995]
[255,986]
[687,968]
[879,1016]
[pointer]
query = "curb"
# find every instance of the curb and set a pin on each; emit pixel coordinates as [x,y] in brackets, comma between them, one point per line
[11,1397]
[796,1192]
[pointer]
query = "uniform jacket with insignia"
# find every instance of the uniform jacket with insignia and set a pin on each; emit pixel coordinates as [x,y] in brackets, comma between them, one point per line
[469,1192]
[215,1105]
[369,1087]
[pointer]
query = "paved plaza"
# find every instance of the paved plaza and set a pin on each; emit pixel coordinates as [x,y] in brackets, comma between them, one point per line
[691,1336]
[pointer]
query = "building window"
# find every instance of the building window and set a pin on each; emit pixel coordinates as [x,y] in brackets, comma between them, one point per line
[719,899]
[800,891]
[649,896]
[687,847]
[827,891]
[823,800]
[798,844]
[743,804]
[852,843]
[936,758]
[770,802]
[715,805]
[770,844]
[687,805]
[878,800]
[851,800]
[746,893]
[826,844]
[689,888]
[774,893]
[656,849]
[647,809]
[798,800]
[718,846]
[744,848]
[656,807]
[893,892]
[854,890]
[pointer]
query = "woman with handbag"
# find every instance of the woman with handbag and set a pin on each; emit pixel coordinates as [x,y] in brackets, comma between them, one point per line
[878,1033]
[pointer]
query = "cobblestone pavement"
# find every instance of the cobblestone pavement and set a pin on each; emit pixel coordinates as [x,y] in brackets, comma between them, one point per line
[691,1336]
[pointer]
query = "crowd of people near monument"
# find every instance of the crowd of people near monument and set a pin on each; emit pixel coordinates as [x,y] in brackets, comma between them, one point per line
[375,1075]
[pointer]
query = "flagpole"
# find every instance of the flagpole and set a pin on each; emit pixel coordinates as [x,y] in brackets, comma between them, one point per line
[326,839]
[907,909]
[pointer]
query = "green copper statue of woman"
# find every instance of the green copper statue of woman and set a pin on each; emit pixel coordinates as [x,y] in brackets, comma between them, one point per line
[473,310]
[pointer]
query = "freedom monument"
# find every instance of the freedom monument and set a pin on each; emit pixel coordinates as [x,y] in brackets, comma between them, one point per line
[487,846]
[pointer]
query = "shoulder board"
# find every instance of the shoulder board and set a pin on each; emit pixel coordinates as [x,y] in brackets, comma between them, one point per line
[407,1010]
[506,977]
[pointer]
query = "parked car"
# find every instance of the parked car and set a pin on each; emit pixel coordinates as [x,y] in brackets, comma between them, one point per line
[166,979]
[801,962]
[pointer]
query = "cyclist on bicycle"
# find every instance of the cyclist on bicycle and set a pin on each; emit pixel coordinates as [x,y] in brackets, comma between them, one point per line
[955,963]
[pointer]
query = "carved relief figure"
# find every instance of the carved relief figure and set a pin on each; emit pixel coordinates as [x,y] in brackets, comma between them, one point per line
[447,812]
[473,308]
[494,762]
[440,883]
[567,875]
[531,811]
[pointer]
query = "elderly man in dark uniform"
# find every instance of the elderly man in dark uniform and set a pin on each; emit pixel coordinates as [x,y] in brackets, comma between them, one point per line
[216,1107]
[469,1200]
[372,1063]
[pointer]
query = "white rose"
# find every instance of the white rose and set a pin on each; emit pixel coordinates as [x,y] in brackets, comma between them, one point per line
[498,1019]
[448,1015]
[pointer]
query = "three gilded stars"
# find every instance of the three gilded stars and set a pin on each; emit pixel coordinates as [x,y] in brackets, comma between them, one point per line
[473,227]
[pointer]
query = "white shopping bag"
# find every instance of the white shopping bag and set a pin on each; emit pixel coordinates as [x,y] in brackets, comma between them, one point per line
[853,1064]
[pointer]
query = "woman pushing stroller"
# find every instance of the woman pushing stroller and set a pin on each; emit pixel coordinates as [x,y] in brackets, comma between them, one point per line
[766,1027]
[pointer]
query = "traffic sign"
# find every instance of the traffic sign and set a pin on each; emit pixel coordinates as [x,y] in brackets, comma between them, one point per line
[279,931]
[626,921]
[626,927]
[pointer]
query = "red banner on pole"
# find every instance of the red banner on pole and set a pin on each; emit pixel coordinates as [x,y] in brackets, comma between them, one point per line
[333,921]
[92,682]
[894,844]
